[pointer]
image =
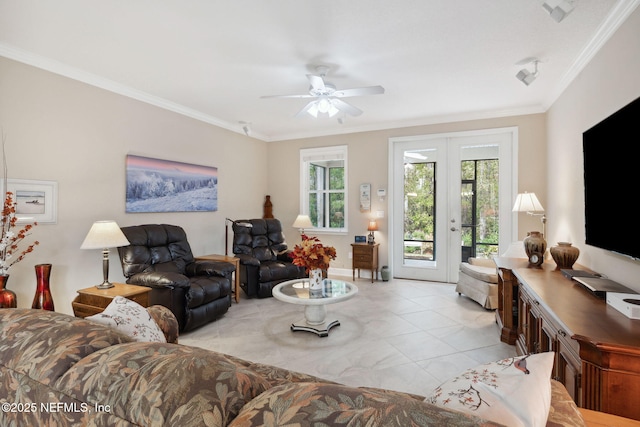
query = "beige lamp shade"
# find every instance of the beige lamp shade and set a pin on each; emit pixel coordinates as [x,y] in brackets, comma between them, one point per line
[104,234]
[527,202]
[373,225]
[302,221]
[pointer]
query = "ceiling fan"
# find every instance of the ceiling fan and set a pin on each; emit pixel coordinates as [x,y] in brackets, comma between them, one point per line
[327,99]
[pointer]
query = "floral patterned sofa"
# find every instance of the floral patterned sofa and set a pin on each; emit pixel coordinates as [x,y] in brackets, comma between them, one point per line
[60,370]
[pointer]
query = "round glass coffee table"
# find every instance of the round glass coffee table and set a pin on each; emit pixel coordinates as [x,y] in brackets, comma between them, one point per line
[315,311]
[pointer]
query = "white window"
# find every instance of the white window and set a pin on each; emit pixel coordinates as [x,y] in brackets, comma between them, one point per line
[323,178]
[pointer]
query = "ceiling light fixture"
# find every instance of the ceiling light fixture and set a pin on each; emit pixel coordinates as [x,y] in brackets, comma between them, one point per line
[527,77]
[560,10]
[323,105]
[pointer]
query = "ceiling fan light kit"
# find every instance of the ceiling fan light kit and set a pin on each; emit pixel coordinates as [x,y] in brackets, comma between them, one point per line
[327,100]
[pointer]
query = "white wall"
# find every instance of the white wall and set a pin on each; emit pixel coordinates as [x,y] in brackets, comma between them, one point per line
[609,82]
[368,163]
[61,130]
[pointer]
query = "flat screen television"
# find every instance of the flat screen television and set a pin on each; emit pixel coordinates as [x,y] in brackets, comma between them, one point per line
[612,182]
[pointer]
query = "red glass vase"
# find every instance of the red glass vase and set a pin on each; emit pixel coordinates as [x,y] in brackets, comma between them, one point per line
[7,297]
[43,299]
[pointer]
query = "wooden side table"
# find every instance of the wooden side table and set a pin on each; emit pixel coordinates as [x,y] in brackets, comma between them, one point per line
[365,255]
[233,260]
[92,300]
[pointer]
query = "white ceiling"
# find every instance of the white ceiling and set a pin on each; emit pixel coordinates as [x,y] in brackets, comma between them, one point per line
[439,60]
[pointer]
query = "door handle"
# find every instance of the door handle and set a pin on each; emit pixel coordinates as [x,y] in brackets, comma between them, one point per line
[455,229]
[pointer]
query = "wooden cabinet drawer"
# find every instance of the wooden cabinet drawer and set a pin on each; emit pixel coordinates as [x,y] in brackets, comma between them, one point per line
[84,310]
[362,252]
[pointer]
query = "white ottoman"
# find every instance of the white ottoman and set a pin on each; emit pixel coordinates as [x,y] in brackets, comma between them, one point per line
[479,281]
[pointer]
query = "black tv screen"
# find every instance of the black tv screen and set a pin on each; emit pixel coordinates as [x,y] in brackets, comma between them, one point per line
[611,177]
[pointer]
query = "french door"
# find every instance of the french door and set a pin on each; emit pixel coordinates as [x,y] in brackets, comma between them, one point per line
[427,193]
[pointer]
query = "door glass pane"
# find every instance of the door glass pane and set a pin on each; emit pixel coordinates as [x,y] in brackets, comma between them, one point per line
[419,211]
[480,213]
[488,212]
[466,218]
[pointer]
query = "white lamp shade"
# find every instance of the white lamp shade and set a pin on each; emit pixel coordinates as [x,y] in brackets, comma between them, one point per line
[302,221]
[527,202]
[104,234]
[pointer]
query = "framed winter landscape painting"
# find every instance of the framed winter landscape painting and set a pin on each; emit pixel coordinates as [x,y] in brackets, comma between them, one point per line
[155,185]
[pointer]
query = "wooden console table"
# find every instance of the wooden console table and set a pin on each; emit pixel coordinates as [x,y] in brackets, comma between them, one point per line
[507,312]
[597,348]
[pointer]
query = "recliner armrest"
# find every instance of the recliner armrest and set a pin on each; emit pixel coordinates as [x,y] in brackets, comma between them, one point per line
[284,256]
[210,268]
[157,279]
[248,260]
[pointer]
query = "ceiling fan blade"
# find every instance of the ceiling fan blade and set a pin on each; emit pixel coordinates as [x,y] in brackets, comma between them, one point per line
[359,91]
[346,108]
[317,82]
[306,109]
[306,95]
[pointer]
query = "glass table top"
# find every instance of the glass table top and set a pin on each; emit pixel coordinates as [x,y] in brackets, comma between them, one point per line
[331,288]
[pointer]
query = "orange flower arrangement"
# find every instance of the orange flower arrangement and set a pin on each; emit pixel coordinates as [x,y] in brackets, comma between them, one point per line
[9,239]
[311,254]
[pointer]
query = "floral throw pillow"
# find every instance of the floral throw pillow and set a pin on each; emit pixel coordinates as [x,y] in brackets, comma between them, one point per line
[514,391]
[130,318]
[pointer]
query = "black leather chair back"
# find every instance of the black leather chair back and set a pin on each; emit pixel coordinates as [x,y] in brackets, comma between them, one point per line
[264,240]
[155,247]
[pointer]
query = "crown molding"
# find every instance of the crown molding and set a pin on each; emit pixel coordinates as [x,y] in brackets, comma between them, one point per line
[614,20]
[618,15]
[91,79]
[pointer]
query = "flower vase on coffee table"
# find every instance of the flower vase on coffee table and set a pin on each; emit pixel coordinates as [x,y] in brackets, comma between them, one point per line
[315,282]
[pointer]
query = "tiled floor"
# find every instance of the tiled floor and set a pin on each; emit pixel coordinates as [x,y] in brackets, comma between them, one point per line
[402,334]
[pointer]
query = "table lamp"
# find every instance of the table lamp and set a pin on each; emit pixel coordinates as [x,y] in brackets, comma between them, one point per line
[373,226]
[529,203]
[104,235]
[302,222]
[535,244]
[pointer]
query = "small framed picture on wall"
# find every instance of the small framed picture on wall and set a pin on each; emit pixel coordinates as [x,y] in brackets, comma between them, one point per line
[35,201]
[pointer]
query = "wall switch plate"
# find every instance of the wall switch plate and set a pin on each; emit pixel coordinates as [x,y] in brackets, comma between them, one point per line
[379,214]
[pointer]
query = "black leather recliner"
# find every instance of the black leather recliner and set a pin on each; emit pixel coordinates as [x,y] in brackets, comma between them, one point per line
[159,257]
[264,257]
